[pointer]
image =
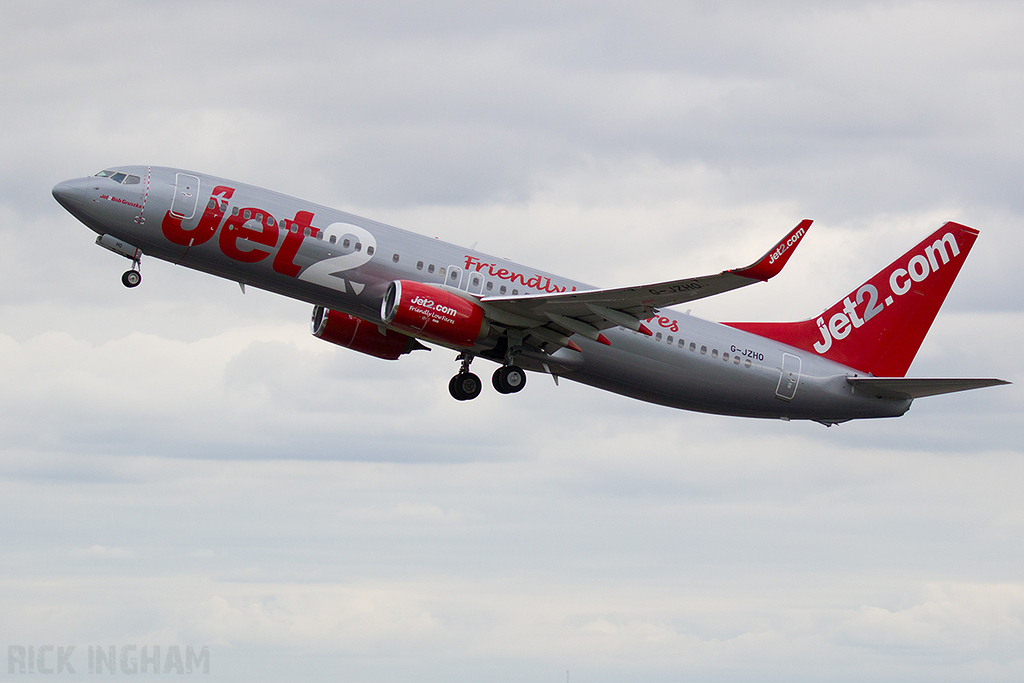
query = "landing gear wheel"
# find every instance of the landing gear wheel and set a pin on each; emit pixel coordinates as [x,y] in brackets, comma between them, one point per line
[508,379]
[131,278]
[465,386]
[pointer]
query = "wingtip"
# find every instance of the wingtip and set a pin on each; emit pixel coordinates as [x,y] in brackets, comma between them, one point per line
[769,265]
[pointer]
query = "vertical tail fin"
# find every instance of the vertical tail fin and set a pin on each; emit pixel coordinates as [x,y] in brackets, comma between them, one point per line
[879,327]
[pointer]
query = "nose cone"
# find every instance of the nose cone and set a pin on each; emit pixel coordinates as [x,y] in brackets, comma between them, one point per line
[71,193]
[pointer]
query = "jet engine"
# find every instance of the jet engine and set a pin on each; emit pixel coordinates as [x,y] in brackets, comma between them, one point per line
[359,335]
[433,313]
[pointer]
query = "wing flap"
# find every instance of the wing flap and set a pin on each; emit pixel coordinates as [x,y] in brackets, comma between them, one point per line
[918,387]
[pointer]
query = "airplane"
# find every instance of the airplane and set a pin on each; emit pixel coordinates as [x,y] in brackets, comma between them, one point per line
[387,292]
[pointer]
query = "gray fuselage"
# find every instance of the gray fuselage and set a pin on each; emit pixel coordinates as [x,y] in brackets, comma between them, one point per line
[330,258]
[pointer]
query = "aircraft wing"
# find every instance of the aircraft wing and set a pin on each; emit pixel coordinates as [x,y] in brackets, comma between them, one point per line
[588,312]
[917,387]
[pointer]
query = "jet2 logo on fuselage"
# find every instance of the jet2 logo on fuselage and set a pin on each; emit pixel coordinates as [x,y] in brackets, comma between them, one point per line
[250,234]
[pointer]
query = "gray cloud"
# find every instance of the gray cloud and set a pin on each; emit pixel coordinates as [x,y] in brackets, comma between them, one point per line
[184,464]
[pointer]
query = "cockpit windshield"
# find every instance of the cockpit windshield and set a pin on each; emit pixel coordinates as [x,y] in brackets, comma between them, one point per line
[119,177]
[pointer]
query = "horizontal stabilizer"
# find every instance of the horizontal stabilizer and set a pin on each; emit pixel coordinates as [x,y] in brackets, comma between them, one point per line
[917,387]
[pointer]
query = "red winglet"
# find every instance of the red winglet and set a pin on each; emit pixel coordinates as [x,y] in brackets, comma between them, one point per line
[603,339]
[574,346]
[771,263]
[643,330]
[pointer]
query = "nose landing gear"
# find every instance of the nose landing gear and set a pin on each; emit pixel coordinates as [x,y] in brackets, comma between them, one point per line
[131,278]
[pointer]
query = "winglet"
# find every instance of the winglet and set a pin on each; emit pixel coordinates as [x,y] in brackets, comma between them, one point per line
[771,263]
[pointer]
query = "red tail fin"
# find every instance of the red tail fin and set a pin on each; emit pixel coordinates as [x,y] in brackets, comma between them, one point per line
[879,327]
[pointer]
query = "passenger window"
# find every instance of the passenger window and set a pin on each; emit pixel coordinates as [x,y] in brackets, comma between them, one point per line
[346,243]
[369,251]
[394,258]
[657,337]
[359,245]
[440,271]
[419,265]
[725,356]
[682,344]
[211,204]
[669,340]
[305,231]
[454,275]
[259,216]
[714,353]
[515,291]
[703,350]
[430,268]
[270,221]
[234,210]
[746,363]
[334,238]
[502,290]
[248,214]
[490,286]
[736,360]
[693,346]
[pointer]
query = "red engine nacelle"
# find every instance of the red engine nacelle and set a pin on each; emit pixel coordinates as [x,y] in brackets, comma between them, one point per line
[433,313]
[359,335]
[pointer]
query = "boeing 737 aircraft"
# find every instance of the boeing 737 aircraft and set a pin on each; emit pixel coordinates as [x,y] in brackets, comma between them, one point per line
[383,291]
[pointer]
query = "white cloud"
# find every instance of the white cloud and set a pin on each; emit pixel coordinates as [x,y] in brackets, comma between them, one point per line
[102,552]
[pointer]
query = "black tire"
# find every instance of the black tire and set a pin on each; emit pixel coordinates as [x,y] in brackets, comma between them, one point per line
[453,389]
[465,386]
[131,278]
[508,379]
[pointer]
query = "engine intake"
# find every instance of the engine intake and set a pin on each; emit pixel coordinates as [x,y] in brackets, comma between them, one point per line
[433,313]
[359,335]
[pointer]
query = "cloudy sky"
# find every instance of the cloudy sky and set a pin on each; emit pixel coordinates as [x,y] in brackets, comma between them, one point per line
[184,465]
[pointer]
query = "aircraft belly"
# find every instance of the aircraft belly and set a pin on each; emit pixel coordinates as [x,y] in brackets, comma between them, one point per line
[674,380]
[639,367]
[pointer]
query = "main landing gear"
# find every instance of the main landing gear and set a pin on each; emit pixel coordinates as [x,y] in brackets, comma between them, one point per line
[465,385]
[508,379]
